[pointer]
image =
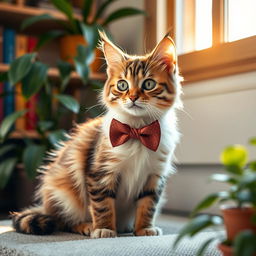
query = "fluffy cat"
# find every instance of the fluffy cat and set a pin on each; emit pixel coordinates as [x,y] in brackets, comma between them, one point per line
[93,188]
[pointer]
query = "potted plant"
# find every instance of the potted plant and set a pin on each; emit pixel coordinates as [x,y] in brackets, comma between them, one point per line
[76,31]
[239,218]
[53,104]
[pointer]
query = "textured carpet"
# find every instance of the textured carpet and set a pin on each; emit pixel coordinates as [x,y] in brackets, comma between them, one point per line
[64,244]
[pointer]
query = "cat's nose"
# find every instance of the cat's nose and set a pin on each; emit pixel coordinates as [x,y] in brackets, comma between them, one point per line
[133,98]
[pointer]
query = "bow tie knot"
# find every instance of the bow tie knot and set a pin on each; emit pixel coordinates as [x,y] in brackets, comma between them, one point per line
[148,135]
[134,133]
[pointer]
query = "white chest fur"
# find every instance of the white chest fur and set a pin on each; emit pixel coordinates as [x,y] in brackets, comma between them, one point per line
[138,162]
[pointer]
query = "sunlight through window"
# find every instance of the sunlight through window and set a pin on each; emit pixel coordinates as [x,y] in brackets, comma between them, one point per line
[203,23]
[193,25]
[241,19]
[4,229]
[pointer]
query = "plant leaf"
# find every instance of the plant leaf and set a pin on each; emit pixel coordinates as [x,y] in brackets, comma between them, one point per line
[102,9]
[45,125]
[245,243]
[32,158]
[4,77]
[196,225]
[63,6]
[47,37]
[86,10]
[57,136]
[249,178]
[6,168]
[6,148]
[85,55]
[96,85]
[121,13]
[8,122]
[82,70]
[44,105]
[252,141]
[210,200]
[34,80]
[69,102]
[65,70]
[253,165]
[30,21]
[91,34]
[66,8]
[234,156]
[204,246]
[246,196]
[20,67]
[234,169]
[224,178]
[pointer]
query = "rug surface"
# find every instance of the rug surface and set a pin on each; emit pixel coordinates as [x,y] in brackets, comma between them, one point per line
[65,244]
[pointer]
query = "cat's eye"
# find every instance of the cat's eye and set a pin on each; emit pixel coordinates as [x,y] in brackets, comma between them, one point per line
[122,85]
[149,84]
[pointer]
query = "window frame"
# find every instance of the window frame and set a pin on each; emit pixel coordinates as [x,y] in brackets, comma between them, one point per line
[222,59]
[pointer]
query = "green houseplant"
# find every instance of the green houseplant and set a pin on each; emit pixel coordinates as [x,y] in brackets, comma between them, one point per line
[240,218]
[74,31]
[54,102]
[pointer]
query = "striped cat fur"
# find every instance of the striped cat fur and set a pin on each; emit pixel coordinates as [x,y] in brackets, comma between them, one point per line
[92,188]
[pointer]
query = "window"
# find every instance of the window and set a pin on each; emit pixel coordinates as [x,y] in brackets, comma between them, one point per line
[193,25]
[238,28]
[213,37]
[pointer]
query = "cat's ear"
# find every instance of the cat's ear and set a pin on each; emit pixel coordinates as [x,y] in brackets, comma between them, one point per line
[165,52]
[112,53]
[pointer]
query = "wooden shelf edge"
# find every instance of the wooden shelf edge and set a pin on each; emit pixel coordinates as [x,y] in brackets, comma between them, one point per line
[32,11]
[54,73]
[19,134]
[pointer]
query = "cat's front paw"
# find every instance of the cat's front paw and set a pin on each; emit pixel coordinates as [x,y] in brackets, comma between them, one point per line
[103,233]
[153,231]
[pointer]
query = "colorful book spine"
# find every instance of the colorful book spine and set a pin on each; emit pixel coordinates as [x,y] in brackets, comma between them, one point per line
[31,116]
[20,104]
[1,84]
[8,56]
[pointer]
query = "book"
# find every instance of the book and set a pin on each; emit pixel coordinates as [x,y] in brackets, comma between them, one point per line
[8,57]
[31,116]
[1,84]
[20,103]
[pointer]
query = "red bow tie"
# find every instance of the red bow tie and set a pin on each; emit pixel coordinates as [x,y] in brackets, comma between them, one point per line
[149,135]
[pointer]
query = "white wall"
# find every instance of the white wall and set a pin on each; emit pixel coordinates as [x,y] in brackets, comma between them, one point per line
[217,113]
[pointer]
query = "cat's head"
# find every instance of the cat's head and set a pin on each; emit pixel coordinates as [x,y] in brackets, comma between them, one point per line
[141,85]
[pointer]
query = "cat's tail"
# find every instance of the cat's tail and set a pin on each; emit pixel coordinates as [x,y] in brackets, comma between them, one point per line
[33,221]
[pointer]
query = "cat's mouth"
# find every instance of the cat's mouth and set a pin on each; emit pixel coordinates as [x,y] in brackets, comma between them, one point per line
[134,106]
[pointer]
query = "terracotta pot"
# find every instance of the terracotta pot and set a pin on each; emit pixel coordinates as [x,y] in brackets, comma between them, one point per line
[237,219]
[225,249]
[68,48]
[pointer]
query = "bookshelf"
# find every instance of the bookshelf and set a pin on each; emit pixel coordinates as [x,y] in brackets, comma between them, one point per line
[24,134]
[54,73]
[12,15]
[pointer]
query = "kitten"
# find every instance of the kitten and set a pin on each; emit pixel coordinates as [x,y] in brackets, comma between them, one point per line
[94,187]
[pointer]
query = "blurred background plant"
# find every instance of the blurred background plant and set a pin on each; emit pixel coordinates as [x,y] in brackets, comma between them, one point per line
[76,32]
[53,103]
[78,48]
[241,194]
